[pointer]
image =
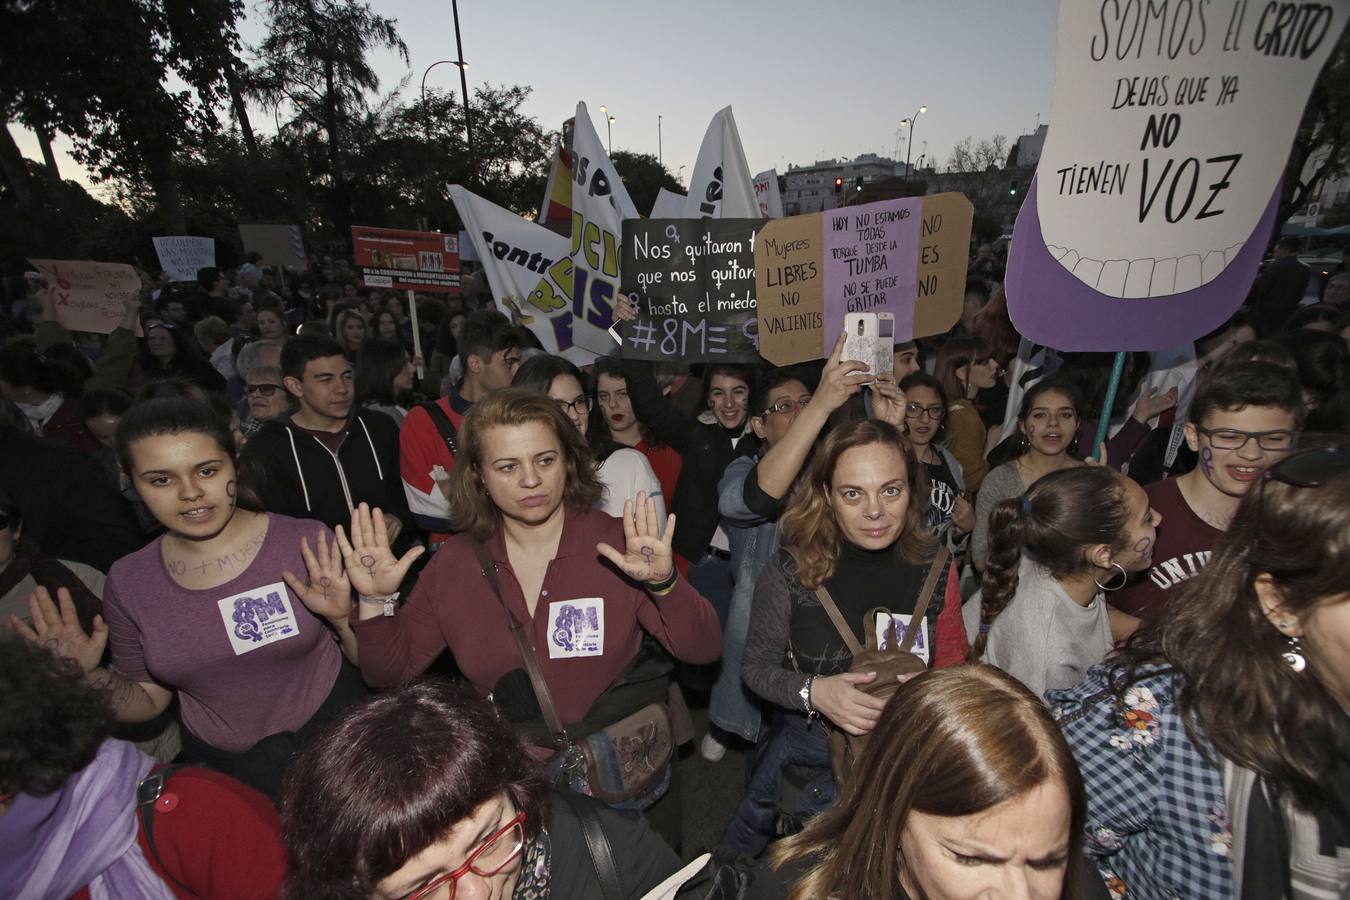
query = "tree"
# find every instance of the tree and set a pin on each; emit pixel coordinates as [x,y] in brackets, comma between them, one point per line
[314,60]
[967,156]
[643,176]
[1323,135]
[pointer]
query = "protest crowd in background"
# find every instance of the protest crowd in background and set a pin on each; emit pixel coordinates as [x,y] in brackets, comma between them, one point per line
[331,572]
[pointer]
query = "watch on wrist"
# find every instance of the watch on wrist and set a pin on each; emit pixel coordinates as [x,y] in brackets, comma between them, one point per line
[805,694]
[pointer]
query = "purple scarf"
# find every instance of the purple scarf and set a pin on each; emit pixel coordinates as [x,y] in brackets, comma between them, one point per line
[83,834]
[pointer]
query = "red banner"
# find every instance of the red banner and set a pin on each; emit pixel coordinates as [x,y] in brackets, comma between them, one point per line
[407,260]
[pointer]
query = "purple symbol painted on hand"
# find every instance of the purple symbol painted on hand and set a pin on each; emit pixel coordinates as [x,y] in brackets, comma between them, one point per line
[369,562]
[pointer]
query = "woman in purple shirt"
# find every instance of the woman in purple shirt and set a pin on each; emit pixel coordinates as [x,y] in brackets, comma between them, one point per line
[211,610]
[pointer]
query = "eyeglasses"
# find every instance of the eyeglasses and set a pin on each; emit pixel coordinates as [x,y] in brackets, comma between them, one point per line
[496,853]
[1232,439]
[787,405]
[266,390]
[916,411]
[577,407]
[1311,468]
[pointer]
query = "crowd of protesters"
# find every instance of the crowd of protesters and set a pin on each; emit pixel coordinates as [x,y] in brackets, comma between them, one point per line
[317,590]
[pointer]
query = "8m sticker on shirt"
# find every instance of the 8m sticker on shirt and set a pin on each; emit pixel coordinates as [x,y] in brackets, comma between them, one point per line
[576,628]
[258,617]
[891,630]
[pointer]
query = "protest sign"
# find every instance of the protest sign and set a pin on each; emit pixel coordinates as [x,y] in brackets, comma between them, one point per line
[407,260]
[1157,186]
[693,284]
[280,245]
[89,296]
[181,257]
[721,186]
[668,205]
[768,196]
[906,257]
[519,257]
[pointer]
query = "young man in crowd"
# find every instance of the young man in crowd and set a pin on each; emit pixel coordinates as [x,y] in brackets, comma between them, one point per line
[1245,417]
[322,460]
[489,352]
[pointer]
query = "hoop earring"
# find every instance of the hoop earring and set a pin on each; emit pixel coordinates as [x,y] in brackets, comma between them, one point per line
[1124,577]
[1293,657]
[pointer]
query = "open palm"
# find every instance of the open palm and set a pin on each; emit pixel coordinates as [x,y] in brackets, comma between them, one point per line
[56,626]
[647,553]
[371,566]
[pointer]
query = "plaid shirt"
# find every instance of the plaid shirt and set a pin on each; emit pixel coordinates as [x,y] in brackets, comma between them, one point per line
[1157,823]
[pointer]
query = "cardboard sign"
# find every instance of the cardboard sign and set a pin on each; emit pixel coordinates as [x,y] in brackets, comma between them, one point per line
[280,245]
[181,257]
[407,260]
[89,296]
[906,257]
[1151,205]
[693,283]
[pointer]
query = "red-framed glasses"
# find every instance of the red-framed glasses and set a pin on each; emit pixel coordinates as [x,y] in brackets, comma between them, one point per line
[498,850]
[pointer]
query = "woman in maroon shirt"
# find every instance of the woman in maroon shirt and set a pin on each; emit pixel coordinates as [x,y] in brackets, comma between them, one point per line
[524,487]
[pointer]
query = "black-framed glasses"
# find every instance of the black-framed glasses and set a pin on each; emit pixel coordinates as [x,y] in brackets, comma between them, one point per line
[787,405]
[1310,468]
[918,411]
[578,407]
[1233,439]
[497,851]
[267,390]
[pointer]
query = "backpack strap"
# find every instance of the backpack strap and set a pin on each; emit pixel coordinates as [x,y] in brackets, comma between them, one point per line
[443,424]
[147,794]
[597,845]
[925,597]
[840,623]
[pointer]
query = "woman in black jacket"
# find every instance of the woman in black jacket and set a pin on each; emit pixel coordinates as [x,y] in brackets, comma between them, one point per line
[425,788]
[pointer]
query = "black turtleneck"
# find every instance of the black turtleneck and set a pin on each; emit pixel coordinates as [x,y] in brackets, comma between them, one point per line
[862,581]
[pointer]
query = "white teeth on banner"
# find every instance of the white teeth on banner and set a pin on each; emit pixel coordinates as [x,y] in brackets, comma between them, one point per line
[1140,278]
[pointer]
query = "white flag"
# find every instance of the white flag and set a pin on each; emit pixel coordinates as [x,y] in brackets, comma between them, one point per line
[668,205]
[721,187]
[600,203]
[766,192]
[527,267]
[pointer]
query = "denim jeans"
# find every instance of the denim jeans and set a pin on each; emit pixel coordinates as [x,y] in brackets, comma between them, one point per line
[713,577]
[787,741]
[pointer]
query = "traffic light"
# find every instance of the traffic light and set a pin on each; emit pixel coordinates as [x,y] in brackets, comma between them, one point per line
[838,185]
[857,183]
[1012,189]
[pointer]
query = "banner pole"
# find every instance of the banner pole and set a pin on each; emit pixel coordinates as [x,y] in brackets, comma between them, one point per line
[1104,422]
[417,332]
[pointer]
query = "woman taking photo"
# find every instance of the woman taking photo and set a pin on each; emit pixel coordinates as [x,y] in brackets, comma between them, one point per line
[1214,744]
[424,792]
[967,789]
[1046,425]
[624,472]
[949,514]
[965,366]
[211,610]
[1053,555]
[384,378]
[523,493]
[854,526]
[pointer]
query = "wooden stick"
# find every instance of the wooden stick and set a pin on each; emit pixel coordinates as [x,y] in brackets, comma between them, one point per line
[417,332]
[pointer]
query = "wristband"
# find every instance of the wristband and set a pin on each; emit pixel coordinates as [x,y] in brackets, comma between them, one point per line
[665,586]
[390,603]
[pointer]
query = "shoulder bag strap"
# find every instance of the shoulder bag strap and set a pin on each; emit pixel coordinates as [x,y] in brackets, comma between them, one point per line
[443,425]
[925,597]
[838,619]
[541,691]
[147,793]
[602,854]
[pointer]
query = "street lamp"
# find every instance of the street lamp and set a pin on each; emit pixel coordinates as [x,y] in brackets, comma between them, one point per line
[464,85]
[609,127]
[909,143]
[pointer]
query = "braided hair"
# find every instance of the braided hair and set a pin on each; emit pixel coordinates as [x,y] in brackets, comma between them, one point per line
[1062,515]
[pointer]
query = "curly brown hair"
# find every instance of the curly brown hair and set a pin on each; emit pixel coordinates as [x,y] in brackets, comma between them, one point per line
[471,509]
[811,534]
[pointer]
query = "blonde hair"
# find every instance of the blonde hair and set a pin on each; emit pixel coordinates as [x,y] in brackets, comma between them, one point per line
[471,509]
[809,529]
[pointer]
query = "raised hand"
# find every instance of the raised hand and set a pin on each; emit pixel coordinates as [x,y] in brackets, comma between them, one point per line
[963,514]
[1153,403]
[888,401]
[839,700]
[372,567]
[840,379]
[624,310]
[647,556]
[56,626]
[328,593]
